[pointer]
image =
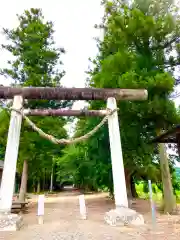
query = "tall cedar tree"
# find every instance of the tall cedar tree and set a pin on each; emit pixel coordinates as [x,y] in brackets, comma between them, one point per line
[36,62]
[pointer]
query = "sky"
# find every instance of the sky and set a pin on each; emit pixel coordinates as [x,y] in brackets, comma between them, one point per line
[74,30]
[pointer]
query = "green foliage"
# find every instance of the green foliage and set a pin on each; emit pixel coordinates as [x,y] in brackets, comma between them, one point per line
[4,123]
[87,162]
[36,62]
[136,53]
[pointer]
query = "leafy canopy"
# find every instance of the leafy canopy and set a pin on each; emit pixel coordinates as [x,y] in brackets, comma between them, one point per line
[140,49]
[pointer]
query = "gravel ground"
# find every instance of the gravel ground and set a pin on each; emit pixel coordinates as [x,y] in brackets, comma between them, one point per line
[62,221]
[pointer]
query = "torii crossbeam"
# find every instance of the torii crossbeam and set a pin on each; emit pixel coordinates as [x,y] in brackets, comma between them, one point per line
[60,93]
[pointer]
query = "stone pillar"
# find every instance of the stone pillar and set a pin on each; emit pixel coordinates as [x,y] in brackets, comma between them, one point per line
[121,215]
[120,192]
[9,171]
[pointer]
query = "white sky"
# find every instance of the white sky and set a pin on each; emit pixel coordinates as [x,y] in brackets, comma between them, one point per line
[74,25]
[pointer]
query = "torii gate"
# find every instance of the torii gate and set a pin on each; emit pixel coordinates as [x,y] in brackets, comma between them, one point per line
[19,94]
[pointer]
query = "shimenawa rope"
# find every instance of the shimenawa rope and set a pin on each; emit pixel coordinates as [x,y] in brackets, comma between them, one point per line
[64,141]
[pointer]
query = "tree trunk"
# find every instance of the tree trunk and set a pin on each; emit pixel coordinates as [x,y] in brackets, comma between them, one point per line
[24,178]
[128,183]
[44,180]
[38,186]
[133,188]
[34,186]
[169,198]
[51,183]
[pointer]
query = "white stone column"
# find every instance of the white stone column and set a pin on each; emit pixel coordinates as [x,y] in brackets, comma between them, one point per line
[120,192]
[9,171]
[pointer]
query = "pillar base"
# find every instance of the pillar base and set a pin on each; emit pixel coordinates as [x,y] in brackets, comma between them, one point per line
[10,222]
[123,216]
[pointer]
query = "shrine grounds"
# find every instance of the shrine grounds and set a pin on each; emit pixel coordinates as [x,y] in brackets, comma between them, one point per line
[62,221]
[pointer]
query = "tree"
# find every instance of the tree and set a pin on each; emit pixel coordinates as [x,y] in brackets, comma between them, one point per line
[136,52]
[87,162]
[36,62]
[36,57]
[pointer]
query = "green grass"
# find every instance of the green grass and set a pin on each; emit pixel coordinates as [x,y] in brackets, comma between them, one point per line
[157,197]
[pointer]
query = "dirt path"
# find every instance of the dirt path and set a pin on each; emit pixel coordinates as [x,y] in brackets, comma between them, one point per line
[62,221]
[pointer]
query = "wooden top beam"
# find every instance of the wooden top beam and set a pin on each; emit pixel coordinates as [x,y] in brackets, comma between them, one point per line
[60,93]
[64,112]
